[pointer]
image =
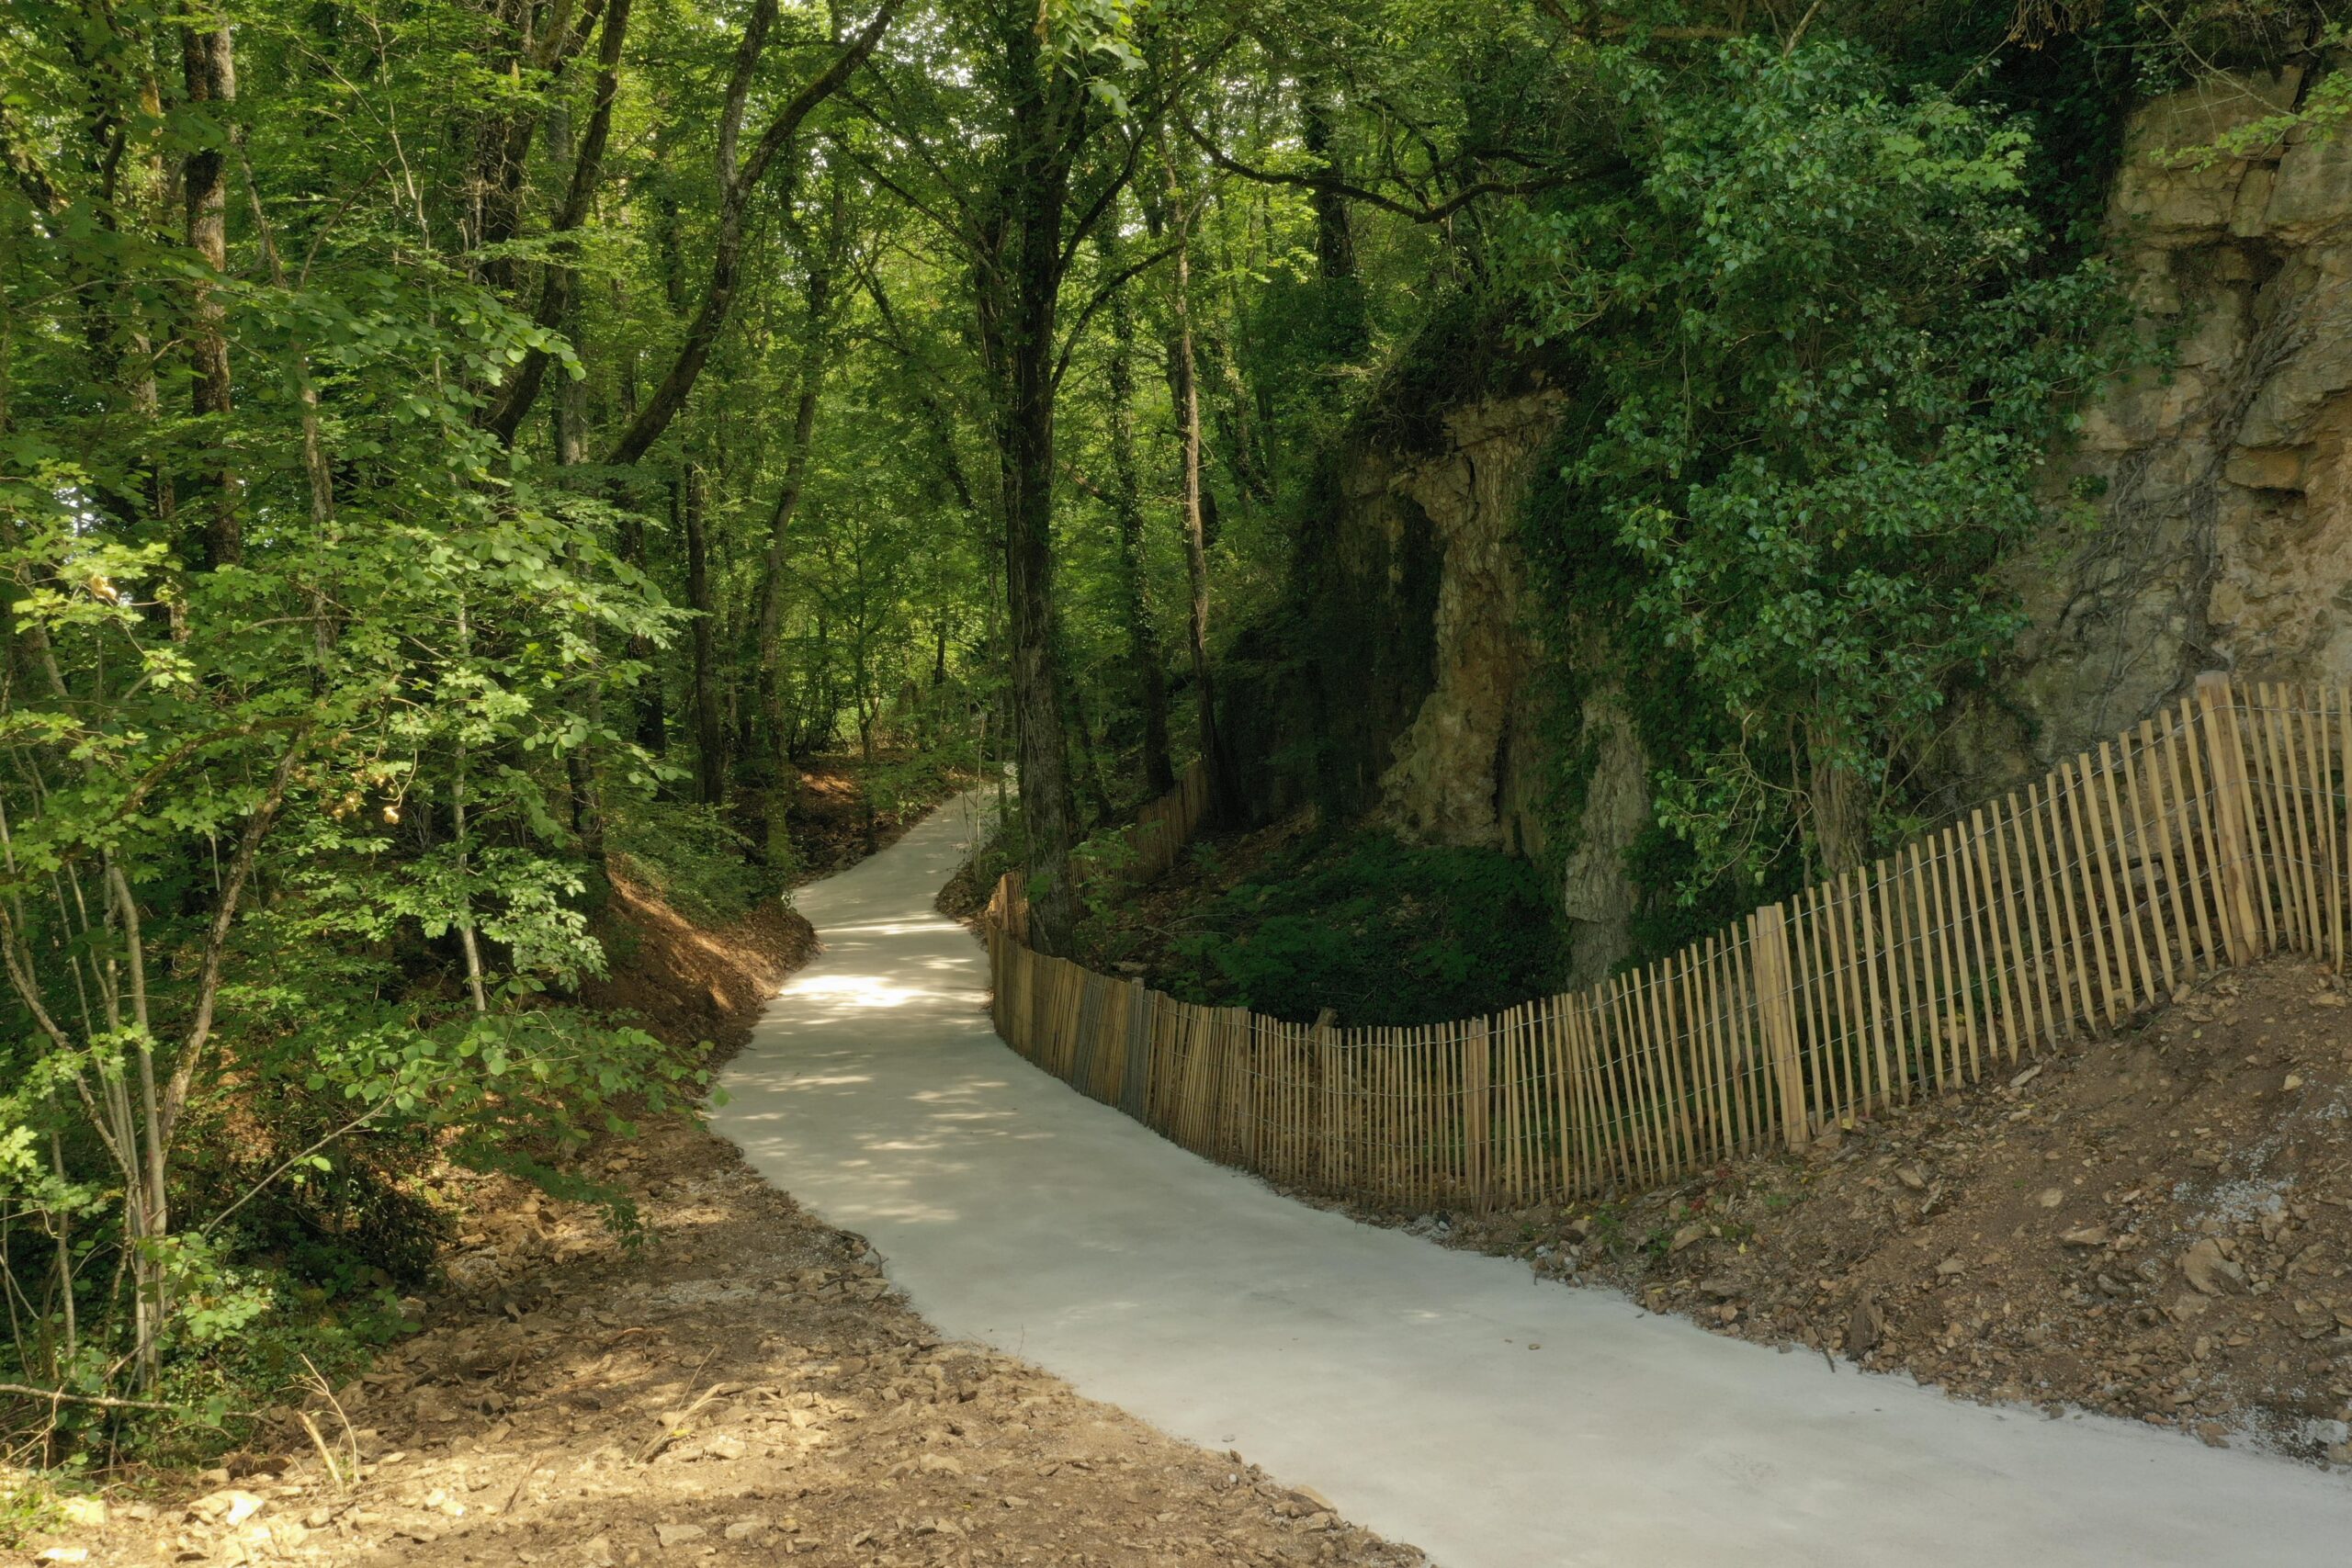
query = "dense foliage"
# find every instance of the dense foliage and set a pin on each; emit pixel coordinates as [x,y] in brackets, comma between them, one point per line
[1819,374]
[451,450]
[325,673]
[1377,931]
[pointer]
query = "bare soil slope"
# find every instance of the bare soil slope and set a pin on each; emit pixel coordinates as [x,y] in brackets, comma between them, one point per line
[2156,1225]
[743,1387]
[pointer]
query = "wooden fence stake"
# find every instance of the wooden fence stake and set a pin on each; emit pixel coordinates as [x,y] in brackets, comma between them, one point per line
[1767,938]
[2232,814]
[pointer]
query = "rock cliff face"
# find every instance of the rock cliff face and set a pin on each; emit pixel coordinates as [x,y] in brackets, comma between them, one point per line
[2219,536]
[1408,652]
[1416,676]
[1463,770]
[2223,538]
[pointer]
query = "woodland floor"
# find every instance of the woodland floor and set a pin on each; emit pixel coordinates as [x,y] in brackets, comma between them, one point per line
[2156,1225]
[743,1385]
[831,823]
[1137,938]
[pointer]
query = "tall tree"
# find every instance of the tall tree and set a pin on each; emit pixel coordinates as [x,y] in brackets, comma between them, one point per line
[740,174]
[210,71]
[690,497]
[824,255]
[1144,651]
[1025,231]
[1184,393]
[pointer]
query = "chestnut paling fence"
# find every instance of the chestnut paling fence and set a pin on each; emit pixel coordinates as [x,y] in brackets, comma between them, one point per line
[1147,848]
[2206,837]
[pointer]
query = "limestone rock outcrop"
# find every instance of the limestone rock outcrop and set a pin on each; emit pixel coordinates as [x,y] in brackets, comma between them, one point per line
[2203,521]
[2222,534]
[1463,769]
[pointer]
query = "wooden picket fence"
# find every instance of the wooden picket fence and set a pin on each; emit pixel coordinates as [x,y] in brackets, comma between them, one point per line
[1139,853]
[1150,845]
[2208,836]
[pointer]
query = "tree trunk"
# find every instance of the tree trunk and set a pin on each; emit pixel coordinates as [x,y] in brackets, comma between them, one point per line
[1841,815]
[209,64]
[1335,243]
[651,728]
[817,303]
[1127,505]
[1184,388]
[1098,789]
[710,727]
[571,433]
[1020,285]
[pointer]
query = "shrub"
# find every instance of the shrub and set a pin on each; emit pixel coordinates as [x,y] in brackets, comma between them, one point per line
[1382,931]
[687,853]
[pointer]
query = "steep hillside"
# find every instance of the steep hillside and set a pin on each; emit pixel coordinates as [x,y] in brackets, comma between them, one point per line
[2156,1226]
[2204,520]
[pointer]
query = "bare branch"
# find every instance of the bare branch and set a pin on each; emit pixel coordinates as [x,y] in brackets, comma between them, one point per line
[1427,214]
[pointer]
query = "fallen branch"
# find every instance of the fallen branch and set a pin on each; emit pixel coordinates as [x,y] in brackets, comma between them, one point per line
[103,1402]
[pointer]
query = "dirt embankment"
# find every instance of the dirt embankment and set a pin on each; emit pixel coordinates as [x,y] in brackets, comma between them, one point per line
[2156,1225]
[689,984]
[744,1385]
[835,819]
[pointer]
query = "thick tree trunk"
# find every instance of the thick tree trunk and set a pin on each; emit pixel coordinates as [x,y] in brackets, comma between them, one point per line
[1020,282]
[1127,505]
[209,64]
[710,726]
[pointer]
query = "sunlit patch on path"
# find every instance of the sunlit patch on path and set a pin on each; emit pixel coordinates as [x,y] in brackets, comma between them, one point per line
[1437,1397]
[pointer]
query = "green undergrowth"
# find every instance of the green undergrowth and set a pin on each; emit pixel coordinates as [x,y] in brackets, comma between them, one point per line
[1379,931]
[27,1509]
[693,858]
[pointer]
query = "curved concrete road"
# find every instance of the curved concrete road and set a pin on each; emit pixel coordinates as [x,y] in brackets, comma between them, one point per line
[1403,1381]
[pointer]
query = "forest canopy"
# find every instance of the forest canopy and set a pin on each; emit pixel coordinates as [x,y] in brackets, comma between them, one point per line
[450,447]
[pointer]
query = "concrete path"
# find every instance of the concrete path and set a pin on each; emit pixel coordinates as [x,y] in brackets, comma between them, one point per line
[1437,1397]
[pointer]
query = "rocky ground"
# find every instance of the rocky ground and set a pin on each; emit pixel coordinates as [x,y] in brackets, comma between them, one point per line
[741,1386]
[2156,1225]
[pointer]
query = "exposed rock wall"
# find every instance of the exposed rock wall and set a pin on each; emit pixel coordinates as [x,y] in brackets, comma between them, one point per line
[2224,536]
[1412,661]
[2219,536]
[1464,770]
